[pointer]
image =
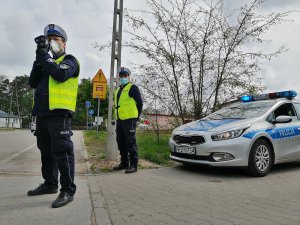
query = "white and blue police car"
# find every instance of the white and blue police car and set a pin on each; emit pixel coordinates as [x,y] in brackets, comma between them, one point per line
[256,132]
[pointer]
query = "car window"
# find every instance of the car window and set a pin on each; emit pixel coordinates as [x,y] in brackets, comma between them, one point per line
[297,106]
[271,117]
[242,110]
[286,109]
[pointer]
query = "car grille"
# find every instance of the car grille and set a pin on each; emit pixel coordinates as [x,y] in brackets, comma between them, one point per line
[188,156]
[192,140]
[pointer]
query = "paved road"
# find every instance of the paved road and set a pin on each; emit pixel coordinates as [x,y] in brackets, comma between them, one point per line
[197,195]
[20,155]
[20,171]
[166,196]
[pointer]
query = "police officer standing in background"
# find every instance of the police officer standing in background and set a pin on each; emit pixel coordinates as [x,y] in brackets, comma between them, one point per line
[128,108]
[56,82]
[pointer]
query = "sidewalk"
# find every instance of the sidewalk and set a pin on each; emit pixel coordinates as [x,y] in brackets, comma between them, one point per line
[166,196]
[20,172]
[19,209]
[196,195]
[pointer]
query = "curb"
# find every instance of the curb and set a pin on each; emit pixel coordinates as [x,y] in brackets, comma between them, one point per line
[100,215]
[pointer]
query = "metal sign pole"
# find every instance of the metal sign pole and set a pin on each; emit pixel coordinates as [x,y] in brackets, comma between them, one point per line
[98,116]
[87,118]
[87,105]
[111,145]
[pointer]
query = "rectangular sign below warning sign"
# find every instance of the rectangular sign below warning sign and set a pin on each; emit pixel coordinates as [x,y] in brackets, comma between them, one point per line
[99,85]
[99,90]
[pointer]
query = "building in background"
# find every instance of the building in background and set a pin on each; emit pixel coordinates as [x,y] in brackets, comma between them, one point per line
[165,122]
[14,121]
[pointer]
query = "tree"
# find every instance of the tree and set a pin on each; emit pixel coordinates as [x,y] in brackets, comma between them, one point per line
[85,91]
[22,98]
[16,97]
[202,56]
[4,93]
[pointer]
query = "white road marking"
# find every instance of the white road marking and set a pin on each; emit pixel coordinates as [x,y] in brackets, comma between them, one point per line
[17,154]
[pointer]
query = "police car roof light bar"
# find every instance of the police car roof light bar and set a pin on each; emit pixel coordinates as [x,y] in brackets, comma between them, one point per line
[283,94]
[246,98]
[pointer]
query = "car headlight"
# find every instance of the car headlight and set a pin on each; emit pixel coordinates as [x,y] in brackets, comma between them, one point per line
[229,134]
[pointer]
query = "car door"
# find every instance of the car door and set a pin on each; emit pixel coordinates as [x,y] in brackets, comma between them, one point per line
[297,107]
[287,135]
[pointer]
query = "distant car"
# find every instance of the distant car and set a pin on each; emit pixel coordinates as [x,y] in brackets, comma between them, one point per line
[91,125]
[33,124]
[142,126]
[255,133]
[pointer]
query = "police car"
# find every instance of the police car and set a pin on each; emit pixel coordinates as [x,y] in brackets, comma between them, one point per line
[256,132]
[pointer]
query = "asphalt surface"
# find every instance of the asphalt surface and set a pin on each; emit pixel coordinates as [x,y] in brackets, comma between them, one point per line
[180,195]
[20,172]
[199,195]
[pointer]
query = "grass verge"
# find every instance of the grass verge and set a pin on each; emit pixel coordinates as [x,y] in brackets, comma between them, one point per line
[6,129]
[151,152]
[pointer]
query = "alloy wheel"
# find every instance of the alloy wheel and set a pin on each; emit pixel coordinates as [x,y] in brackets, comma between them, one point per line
[262,158]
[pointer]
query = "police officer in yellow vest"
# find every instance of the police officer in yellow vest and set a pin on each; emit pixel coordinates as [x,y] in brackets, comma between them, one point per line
[55,80]
[128,107]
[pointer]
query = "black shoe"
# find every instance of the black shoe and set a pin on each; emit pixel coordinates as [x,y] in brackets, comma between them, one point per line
[131,169]
[42,189]
[63,199]
[121,166]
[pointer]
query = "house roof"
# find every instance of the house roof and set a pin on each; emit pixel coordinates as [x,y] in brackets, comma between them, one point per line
[6,115]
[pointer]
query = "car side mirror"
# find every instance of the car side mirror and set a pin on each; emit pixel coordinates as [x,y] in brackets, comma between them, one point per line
[283,119]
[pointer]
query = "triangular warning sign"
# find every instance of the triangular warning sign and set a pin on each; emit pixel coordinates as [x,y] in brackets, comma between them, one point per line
[100,77]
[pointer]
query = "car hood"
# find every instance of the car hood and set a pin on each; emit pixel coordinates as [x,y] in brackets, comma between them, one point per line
[215,125]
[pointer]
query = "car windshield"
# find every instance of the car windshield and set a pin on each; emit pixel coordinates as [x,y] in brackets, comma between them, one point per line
[242,110]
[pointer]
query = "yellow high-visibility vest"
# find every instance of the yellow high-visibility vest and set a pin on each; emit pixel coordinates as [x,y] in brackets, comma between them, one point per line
[62,95]
[126,107]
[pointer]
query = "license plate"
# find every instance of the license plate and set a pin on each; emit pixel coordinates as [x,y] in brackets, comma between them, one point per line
[185,150]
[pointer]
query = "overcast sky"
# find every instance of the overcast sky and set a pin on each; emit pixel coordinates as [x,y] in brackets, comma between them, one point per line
[90,21]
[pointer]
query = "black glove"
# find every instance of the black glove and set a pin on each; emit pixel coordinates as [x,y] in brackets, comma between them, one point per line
[40,53]
[42,47]
[40,41]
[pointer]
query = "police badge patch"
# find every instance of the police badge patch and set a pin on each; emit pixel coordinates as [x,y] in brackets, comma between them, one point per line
[51,26]
[50,60]
[64,66]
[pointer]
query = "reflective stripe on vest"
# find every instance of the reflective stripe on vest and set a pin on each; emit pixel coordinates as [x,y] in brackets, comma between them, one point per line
[62,95]
[127,106]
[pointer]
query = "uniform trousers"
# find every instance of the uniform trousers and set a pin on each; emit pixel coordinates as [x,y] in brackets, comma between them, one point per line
[57,152]
[126,140]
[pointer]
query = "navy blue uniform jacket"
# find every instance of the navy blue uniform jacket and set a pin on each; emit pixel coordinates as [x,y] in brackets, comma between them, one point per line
[39,80]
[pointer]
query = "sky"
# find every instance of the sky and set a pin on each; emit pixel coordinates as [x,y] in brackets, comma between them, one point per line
[89,21]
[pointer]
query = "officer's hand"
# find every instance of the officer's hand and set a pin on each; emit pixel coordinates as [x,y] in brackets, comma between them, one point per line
[40,53]
[40,41]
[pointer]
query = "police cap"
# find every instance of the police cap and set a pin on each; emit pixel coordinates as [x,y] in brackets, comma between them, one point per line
[124,70]
[53,29]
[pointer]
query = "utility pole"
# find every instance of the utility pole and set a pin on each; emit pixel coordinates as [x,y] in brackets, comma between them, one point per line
[17,101]
[111,145]
[10,105]
[14,88]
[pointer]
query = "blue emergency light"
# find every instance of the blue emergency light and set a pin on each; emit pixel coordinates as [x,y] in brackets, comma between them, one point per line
[283,94]
[246,98]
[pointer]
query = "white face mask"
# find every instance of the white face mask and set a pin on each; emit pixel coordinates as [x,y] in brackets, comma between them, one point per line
[54,47]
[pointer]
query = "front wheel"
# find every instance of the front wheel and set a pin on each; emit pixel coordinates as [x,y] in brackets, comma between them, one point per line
[260,158]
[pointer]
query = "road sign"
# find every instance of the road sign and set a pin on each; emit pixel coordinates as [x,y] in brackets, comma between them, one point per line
[99,90]
[91,112]
[99,85]
[87,104]
[99,119]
